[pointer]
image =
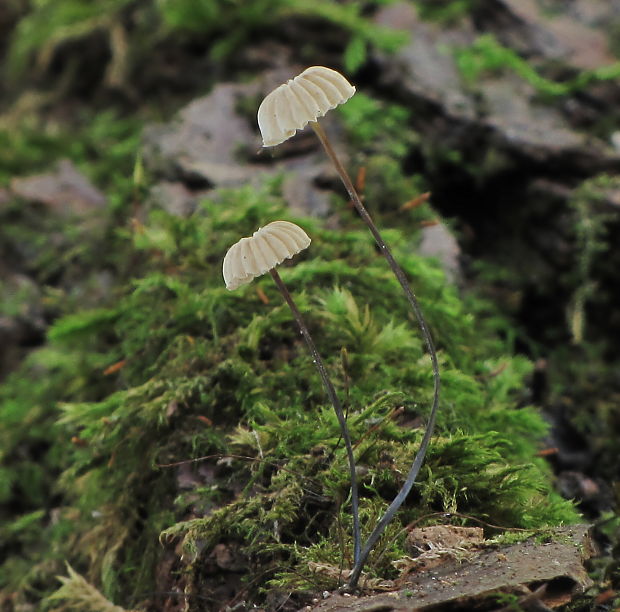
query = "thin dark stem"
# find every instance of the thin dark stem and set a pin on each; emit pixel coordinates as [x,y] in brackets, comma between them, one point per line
[413,302]
[331,393]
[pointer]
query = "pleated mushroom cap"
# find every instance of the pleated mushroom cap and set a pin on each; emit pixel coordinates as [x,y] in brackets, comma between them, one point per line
[290,107]
[264,250]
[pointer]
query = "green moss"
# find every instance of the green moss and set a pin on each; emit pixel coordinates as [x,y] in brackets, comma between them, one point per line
[101,144]
[230,358]
[591,219]
[377,127]
[487,55]
[169,366]
[583,375]
[51,24]
[445,11]
[235,25]
[226,26]
[379,148]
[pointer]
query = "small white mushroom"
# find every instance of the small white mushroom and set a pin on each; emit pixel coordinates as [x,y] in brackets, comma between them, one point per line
[261,253]
[291,106]
[264,250]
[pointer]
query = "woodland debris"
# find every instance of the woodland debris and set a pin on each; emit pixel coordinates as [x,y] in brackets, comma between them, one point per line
[228,557]
[443,536]
[555,564]
[434,545]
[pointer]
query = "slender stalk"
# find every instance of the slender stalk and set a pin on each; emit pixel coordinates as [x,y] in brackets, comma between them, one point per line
[331,393]
[413,302]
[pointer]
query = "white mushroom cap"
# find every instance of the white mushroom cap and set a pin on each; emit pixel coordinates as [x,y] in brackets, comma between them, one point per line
[264,250]
[305,98]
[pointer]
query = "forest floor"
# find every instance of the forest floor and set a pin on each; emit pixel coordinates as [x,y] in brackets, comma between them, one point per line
[485,139]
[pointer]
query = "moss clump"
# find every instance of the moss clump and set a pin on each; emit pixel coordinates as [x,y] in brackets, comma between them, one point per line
[77,594]
[101,144]
[593,221]
[198,371]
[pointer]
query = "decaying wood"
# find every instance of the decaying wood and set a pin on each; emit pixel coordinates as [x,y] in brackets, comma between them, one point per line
[557,565]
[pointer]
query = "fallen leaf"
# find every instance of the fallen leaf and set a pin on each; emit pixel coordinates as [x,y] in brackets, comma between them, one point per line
[417,201]
[360,181]
[262,295]
[115,367]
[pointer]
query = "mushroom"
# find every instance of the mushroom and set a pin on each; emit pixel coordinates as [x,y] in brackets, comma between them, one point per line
[290,107]
[285,110]
[259,254]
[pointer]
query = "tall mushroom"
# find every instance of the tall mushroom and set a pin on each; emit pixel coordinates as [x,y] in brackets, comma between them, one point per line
[259,254]
[288,108]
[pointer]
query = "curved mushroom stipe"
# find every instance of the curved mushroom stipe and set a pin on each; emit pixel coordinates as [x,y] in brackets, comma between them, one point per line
[288,108]
[261,253]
